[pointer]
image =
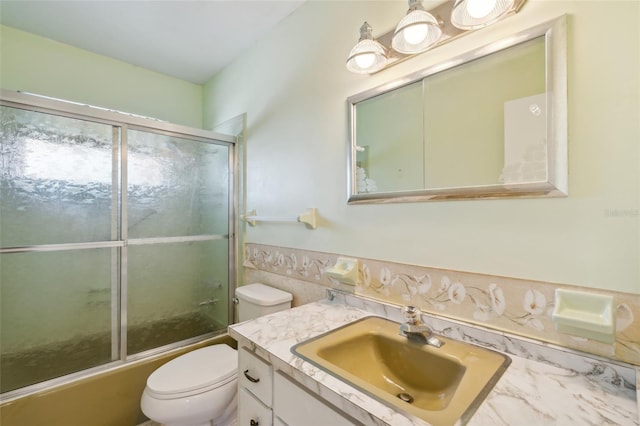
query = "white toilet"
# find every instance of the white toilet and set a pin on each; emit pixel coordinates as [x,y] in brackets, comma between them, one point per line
[199,388]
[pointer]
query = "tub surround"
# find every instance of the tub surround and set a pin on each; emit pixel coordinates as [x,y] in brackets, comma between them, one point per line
[517,306]
[545,384]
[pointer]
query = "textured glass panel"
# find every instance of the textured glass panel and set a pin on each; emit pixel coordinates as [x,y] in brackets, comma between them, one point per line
[55,314]
[176,186]
[56,179]
[176,291]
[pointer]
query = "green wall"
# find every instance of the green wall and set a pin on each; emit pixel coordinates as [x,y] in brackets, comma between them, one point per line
[293,86]
[31,63]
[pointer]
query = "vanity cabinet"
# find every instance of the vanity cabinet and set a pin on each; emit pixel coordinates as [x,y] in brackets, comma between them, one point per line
[267,397]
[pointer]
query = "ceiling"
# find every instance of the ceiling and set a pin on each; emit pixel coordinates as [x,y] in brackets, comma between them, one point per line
[187,39]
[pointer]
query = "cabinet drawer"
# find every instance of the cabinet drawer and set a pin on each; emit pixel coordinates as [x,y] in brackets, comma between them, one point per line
[296,406]
[252,412]
[255,374]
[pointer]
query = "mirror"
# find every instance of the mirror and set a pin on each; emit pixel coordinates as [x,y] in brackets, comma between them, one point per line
[490,123]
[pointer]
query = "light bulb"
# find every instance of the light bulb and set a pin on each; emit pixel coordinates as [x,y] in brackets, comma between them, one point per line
[480,8]
[365,60]
[415,34]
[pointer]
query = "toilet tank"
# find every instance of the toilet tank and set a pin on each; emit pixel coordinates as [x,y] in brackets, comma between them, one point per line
[256,300]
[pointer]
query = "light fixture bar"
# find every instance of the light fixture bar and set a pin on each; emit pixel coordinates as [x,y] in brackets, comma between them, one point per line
[442,13]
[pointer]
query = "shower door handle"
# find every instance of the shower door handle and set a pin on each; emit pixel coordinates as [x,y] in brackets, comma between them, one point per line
[254,422]
[251,379]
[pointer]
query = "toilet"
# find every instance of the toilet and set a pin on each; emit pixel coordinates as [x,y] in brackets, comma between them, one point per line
[199,388]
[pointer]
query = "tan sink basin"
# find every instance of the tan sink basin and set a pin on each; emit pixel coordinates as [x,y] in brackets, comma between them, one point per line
[440,385]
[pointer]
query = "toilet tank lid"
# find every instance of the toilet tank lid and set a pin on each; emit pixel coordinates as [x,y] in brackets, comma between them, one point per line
[194,370]
[262,295]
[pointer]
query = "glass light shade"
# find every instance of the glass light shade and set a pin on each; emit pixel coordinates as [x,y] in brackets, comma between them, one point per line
[368,56]
[416,32]
[474,14]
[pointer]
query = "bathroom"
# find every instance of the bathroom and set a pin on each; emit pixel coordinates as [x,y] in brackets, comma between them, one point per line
[296,115]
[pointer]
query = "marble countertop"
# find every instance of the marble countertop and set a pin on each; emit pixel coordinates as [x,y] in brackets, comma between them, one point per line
[544,385]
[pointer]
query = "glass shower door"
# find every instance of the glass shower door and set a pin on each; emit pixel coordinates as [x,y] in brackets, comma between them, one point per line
[177,228]
[58,229]
[114,242]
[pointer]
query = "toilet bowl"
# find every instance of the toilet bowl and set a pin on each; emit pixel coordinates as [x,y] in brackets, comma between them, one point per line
[196,389]
[199,388]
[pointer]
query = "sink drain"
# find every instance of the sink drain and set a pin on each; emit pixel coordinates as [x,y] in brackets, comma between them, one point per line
[405,397]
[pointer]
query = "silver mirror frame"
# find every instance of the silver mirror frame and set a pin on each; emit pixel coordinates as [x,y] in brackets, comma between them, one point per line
[555,33]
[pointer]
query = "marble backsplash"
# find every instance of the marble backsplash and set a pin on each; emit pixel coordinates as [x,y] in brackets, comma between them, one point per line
[517,306]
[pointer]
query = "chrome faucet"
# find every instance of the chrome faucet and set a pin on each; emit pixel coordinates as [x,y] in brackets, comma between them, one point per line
[414,329]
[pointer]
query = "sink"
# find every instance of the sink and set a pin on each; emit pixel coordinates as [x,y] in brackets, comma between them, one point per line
[442,385]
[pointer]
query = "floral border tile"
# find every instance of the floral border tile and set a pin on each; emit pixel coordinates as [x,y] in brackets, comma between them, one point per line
[513,305]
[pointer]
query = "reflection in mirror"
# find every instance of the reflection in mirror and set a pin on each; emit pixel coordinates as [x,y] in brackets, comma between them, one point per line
[390,151]
[489,124]
[466,111]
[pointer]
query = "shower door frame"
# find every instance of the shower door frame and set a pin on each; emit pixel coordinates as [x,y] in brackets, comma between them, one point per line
[121,123]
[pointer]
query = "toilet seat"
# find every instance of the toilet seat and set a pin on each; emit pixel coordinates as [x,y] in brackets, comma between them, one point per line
[195,372]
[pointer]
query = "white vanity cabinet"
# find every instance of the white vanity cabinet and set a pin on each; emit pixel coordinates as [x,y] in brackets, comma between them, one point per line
[268,398]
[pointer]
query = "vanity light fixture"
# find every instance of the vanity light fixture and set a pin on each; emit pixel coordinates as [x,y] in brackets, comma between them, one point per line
[417,31]
[421,30]
[368,56]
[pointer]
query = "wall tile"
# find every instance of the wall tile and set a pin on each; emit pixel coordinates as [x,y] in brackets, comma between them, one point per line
[517,306]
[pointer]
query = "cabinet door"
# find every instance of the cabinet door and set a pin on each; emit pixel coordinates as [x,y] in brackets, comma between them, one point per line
[252,412]
[256,375]
[296,406]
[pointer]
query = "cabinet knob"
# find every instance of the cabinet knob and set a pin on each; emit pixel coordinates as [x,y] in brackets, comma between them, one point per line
[254,422]
[251,379]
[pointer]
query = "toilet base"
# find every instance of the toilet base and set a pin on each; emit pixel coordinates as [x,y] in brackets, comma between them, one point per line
[225,422]
[193,411]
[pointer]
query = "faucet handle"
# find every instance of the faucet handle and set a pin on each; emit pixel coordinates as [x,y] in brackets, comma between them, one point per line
[412,314]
